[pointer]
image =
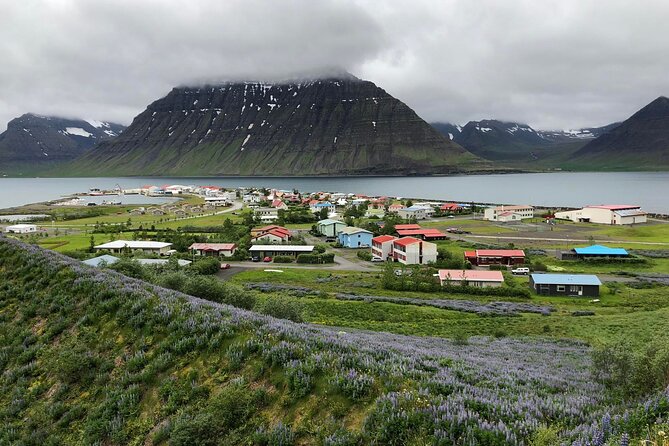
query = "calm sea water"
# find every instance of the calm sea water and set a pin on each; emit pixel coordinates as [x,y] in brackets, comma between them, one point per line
[647,189]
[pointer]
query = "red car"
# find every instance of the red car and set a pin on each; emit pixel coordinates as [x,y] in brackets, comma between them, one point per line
[225,266]
[267,259]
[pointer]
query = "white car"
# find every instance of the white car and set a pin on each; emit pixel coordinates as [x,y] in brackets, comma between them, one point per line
[521,270]
[377,259]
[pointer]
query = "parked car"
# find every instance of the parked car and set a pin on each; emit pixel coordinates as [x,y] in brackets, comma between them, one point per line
[521,270]
[255,259]
[377,259]
[267,259]
[225,266]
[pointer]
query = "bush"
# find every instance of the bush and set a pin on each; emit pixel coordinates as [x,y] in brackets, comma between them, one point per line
[206,266]
[315,258]
[282,308]
[283,259]
[364,255]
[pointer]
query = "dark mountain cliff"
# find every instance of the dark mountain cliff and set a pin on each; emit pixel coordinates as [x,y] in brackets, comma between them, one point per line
[335,126]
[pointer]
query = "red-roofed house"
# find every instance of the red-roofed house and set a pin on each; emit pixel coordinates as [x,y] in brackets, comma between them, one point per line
[408,226]
[615,214]
[476,278]
[382,246]
[412,251]
[271,233]
[482,257]
[213,249]
[279,204]
[450,207]
[395,207]
[422,233]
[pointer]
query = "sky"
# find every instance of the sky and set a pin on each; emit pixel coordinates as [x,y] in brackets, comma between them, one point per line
[551,64]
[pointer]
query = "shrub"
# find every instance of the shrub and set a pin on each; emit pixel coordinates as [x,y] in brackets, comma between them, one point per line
[283,259]
[282,308]
[364,255]
[206,266]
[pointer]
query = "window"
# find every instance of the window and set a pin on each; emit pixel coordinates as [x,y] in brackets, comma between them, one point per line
[575,288]
[560,288]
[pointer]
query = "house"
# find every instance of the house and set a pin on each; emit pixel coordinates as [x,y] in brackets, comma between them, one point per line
[508,213]
[450,207]
[105,259]
[614,214]
[594,251]
[21,229]
[157,212]
[415,212]
[407,226]
[412,251]
[472,277]
[395,208]
[252,198]
[180,262]
[382,246]
[119,246]
[279,204]
[213,249]
[137,212]
[280,250]
[482,257]
[351,237]
[266,214]
[422,233]
[565,284]
[218,200]
[318,206]
[270,234]
[330,228]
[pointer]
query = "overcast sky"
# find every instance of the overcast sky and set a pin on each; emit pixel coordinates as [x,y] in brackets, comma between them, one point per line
[551,64]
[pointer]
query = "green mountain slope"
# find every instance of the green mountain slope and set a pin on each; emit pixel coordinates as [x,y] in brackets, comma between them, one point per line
[92,357]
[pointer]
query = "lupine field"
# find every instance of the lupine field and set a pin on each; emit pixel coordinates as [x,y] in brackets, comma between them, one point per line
[90,356]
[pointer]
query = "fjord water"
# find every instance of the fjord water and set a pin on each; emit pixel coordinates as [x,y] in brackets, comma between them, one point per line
[647,189]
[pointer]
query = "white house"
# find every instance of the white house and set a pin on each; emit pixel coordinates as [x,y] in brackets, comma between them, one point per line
[417,212]
[508,213]
[382,246]
[217,200]
[252,198]
[615,214]
[412,251]
[476,278]
[21,229]
[119,246]
[266,214]
[213,249]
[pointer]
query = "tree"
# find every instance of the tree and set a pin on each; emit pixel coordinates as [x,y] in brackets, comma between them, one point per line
[323,213]
[91,244]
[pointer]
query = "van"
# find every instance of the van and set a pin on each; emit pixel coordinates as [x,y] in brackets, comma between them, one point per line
[520,270]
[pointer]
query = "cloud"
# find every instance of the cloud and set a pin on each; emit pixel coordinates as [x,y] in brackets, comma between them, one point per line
[552,64]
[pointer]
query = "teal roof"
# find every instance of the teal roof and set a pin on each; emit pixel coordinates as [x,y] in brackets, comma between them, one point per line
[97,261]
[599,250]
[566,279]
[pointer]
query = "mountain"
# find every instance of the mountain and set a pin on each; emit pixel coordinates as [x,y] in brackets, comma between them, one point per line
[31,140]
[587,133]
[639,143]
[336,126]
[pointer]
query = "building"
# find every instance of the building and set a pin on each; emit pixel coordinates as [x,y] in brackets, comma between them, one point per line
[508,213]
[266,214]
[213,249]
[318,206]
[428,234]
[450,207]
[330,228]
[270,234]
[565,284]
[279,204]
[21,229]
[119,246]
[416,212]
[105,259]
[412,251]
[218,200]
[594,251]
[351,237]
[407,226]
[280,250]
[395,208]
[471,277]
[615,214]
[382,246]
[161,262]
[483,257]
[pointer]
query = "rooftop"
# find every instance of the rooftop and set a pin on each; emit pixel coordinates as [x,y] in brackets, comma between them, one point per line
[496,253]
[213,246]
[614,207]
[471,274]
[353,230]
[566,279]
[601,250]
[97,261]
[406,241]
[133,244]
[329,221]
[285,248]
[383,238]
[407,226]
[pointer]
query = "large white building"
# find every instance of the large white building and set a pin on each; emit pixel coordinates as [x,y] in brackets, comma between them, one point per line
[508,213]
[119,246]
[266,214]
[615,214]
[21,229]
[382,246]
[412,251]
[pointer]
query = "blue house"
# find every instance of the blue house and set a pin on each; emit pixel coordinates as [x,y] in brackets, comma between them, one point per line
[351,237]
[565,284]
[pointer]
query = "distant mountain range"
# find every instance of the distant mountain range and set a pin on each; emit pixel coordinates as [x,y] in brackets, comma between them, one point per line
[511,141]
[336,126]
[37,142]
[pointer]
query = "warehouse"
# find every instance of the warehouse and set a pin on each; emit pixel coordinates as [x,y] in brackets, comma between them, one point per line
[21,229]
[613,214]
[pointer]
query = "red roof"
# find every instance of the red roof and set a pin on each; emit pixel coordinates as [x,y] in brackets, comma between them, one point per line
[213,246]
[383,238]
[471,274]
[495,253]
[276,203]
[278,232]
[406,241]
[451,206]
[614,207]
[427,232]
[408,226]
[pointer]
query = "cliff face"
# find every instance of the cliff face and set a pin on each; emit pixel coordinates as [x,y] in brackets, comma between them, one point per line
[336,126]
[41,140]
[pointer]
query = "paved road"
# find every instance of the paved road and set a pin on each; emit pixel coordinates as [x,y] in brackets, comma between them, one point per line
[547,239]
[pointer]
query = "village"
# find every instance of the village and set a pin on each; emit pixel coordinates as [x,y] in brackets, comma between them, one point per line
[463,245]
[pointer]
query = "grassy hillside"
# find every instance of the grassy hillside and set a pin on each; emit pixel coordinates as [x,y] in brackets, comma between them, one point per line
[93,357]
